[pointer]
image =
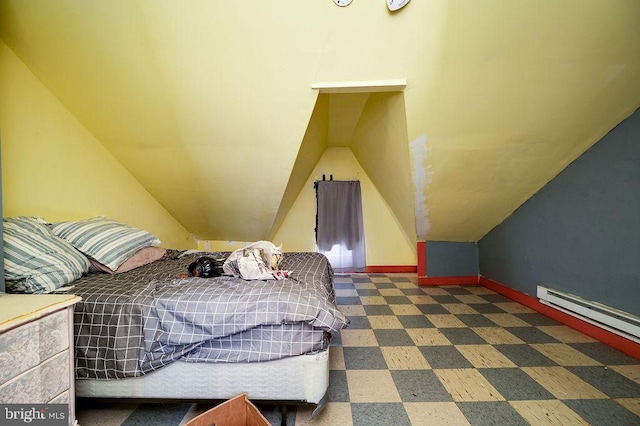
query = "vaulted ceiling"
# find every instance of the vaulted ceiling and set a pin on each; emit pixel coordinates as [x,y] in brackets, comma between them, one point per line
[213,101]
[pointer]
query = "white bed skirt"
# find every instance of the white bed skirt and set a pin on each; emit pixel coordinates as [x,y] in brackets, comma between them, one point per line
[303,378]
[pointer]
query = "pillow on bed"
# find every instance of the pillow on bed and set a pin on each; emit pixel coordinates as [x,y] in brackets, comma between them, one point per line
[140,258]
[37,261]
[107,241]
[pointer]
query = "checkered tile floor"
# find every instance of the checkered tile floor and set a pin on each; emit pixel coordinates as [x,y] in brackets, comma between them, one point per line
[459,355]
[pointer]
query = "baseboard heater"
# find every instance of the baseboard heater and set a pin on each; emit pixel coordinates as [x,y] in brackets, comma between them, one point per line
[611,319]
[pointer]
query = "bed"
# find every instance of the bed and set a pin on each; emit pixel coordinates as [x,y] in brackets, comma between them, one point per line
[148,333]
[144,330]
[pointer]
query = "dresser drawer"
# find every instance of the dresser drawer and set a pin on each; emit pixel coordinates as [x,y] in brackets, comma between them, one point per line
[28,345]
[41,383]
[36,350]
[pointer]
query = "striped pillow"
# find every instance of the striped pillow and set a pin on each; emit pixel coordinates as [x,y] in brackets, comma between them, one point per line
[104,240]
[35,260]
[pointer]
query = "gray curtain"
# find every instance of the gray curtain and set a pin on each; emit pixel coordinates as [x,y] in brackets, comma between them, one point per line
[340,229]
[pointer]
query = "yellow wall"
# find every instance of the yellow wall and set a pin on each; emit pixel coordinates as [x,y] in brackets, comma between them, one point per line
[385,241]
[76,177]
[54,168]
[501,95]
[504,94]
[211,245]
[380,145]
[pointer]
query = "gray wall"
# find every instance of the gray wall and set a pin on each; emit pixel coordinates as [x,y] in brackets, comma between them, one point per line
[451,259]
[581,232]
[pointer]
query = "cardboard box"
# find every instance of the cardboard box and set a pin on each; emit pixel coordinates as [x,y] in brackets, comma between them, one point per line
[237,411]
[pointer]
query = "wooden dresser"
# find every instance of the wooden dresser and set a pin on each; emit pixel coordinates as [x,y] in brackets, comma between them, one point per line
[36,349]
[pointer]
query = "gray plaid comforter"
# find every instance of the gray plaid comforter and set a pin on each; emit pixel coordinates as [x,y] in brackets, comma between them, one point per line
[130,324]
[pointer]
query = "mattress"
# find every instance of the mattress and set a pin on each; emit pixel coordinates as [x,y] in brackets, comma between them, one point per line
[139,322]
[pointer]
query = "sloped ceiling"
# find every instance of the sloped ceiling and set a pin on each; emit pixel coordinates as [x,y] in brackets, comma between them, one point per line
[209,103]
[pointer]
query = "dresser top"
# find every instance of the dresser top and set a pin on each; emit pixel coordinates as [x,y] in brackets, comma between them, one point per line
[17,309]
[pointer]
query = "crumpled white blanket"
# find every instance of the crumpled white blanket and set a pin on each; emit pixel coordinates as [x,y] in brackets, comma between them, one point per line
[257,261]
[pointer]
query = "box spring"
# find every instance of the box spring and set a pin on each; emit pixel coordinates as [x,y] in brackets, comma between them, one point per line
[297,379]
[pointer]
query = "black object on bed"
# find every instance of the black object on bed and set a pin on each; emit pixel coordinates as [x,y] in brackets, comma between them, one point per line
[133,323]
